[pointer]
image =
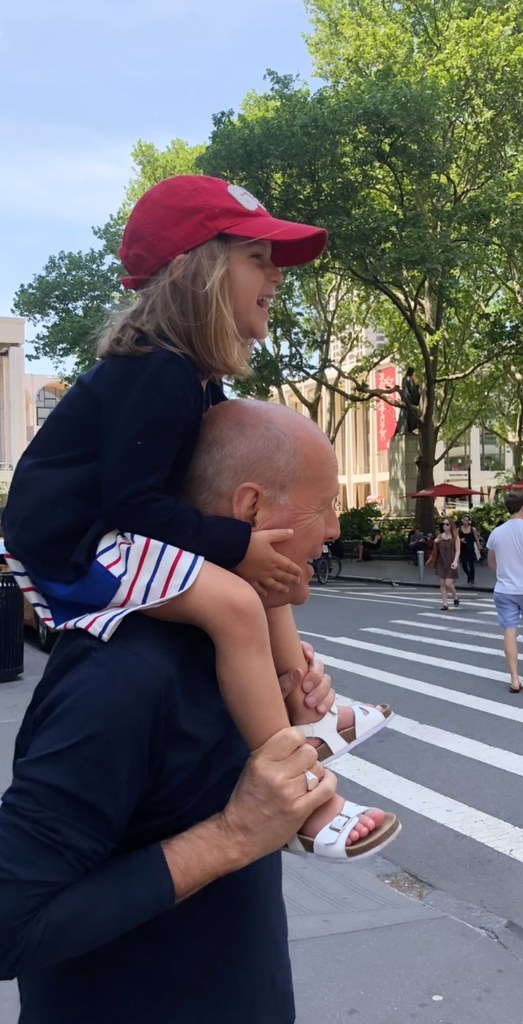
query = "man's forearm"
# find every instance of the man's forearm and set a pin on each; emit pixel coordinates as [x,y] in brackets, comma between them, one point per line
[201,855]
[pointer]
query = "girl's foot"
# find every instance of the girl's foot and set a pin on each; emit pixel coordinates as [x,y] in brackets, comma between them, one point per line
[444,608]
[456,602]
[343,728]
[515,687]
[329,828]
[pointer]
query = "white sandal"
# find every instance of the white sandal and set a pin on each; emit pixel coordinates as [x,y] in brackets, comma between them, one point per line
[368,720]
[331,839]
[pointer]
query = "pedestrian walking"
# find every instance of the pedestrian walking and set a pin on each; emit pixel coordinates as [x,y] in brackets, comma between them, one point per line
[505,557]
[444,560]
[470,548]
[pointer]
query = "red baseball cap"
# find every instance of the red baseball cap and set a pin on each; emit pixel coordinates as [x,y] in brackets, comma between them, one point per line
[180,213]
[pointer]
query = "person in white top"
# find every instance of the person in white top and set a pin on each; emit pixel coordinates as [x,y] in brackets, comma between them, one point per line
[505,557]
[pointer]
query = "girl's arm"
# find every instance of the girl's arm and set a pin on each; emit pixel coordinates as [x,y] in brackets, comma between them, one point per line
[286,645]
[288,654]
[151,416]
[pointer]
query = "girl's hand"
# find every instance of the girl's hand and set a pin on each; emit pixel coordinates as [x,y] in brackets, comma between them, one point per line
[264,567]
[454,565]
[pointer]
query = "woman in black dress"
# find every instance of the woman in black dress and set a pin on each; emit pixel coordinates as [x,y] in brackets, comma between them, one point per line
[469,540]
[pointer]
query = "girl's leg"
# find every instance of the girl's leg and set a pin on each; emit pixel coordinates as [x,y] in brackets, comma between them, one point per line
[443,592]
[451,588]
[230,611]
[288,654]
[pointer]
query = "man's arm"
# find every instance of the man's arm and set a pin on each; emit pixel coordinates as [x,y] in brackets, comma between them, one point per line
[491,560]
[266,808]
[64,890]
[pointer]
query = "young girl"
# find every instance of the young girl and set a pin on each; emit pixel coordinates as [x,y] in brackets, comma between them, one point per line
[445,558]
[95,524]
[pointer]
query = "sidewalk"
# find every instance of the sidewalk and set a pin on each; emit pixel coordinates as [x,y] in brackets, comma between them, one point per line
[385,570]
[361,947]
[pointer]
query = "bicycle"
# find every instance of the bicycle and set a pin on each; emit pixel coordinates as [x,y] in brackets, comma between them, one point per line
[327,566]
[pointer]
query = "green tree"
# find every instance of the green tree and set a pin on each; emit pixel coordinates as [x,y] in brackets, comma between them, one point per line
[433,94]
[68,302]
[407,157]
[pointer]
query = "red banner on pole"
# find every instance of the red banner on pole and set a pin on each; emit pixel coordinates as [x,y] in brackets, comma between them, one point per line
[385,413]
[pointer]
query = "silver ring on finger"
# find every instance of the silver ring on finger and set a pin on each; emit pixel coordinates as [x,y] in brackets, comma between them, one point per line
[311,781]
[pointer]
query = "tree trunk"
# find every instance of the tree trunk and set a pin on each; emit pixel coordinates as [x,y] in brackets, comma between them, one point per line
[425,462]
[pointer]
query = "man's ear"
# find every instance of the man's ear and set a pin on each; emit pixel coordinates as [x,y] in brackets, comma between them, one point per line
[246,502]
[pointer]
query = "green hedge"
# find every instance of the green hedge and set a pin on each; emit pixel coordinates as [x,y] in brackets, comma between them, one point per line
[358,523]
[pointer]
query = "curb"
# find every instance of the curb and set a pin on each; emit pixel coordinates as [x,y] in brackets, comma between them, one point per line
[389,581]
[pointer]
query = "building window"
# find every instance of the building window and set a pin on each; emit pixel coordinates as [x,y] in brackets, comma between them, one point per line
[492,453]
[46,400]
[458,457]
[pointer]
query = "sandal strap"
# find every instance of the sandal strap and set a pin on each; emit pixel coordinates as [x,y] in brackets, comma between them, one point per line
[332,839]
[366,719]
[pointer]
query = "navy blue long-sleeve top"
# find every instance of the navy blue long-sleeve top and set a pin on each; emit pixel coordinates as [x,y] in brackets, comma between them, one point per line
[113,454]
[123,745]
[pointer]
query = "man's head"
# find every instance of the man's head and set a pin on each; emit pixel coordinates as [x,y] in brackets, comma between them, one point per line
[514,502]
[272,468]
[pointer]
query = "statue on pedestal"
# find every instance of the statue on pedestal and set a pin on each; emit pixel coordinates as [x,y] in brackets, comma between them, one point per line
[409,418]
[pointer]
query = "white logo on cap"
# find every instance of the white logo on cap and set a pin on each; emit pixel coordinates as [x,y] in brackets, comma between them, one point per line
[243,197]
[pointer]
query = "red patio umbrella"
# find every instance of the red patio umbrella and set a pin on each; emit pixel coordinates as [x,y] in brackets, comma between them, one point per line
[516,485]
[444,491]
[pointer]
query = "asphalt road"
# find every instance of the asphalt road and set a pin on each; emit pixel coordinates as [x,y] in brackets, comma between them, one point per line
[450,764]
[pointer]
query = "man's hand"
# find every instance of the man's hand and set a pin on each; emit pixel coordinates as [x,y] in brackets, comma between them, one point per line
[264,567]
[270,801]
[315,684]
[267,806]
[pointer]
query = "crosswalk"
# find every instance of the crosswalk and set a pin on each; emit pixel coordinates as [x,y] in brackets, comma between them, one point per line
[450,669]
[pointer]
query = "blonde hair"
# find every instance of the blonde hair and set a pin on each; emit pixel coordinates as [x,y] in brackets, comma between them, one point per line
[185,308]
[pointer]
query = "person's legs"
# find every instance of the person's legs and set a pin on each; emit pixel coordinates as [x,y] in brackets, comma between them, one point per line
[451,589]
[509,608]
[467,564]
[510,646]
[443,592]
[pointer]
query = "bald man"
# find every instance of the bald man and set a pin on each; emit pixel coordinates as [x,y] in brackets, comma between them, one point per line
[140,873]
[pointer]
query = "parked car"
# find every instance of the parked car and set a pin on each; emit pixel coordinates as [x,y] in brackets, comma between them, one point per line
[45,636]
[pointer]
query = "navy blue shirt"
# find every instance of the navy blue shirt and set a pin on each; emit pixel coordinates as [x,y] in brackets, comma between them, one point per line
[113,454]
[123,745]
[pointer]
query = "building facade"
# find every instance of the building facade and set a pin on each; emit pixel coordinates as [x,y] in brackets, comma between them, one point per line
[26,399]
[363,440]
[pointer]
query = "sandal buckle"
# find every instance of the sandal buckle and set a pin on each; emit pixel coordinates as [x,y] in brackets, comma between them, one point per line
[339,822]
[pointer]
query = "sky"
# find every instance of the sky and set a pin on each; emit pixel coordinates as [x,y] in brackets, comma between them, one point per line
[82,80]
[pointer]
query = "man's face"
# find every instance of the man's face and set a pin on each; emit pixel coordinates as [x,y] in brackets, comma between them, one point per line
[310,513]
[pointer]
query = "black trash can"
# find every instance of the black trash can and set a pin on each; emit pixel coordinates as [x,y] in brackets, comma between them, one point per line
[11,628]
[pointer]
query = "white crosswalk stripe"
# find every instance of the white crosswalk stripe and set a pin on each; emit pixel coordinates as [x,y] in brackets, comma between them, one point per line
[438,679]
[428,659]
[433,641]
[445,628]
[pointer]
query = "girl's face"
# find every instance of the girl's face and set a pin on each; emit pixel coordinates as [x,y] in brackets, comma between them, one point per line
[446,526]
[253,283]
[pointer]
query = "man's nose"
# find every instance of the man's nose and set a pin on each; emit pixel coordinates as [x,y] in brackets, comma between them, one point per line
[332,527]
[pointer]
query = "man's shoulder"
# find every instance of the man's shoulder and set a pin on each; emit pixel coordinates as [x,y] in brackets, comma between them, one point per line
[127,675]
